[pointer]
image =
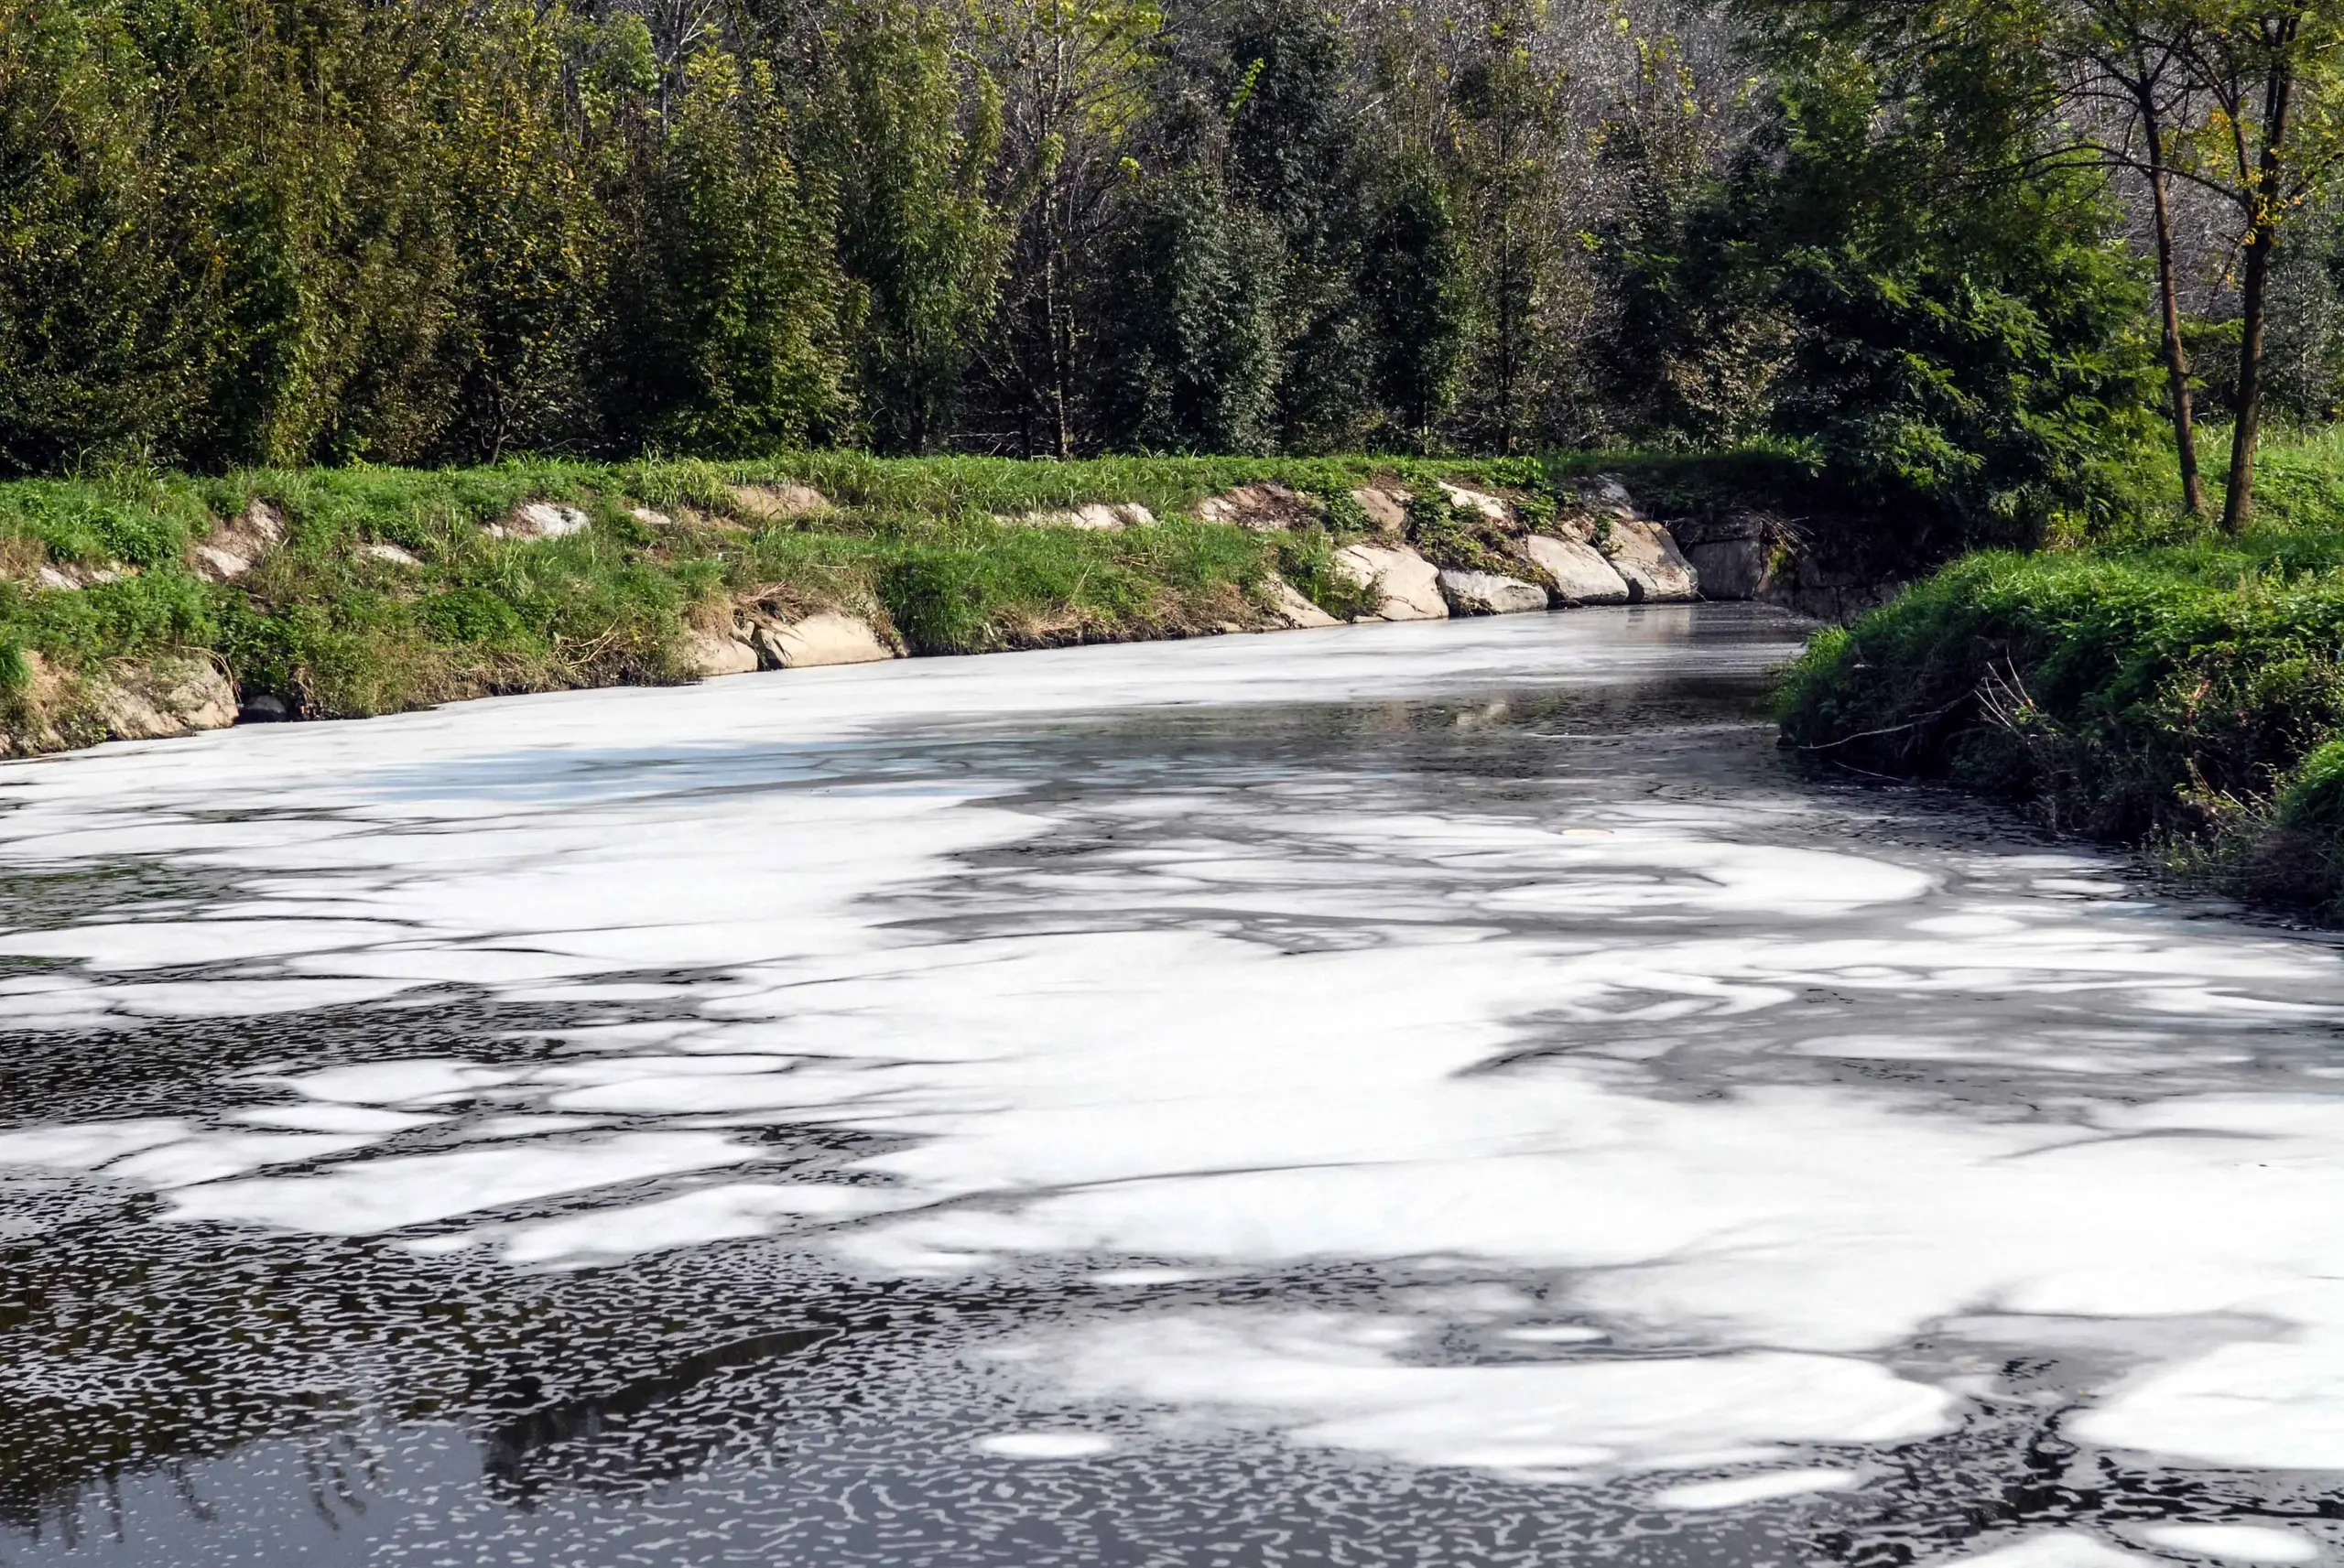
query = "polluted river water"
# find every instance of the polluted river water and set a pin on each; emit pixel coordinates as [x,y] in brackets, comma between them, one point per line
[1449,1094]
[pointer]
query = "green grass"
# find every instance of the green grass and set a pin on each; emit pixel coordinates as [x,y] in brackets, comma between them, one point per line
[2161,684]
[935,550]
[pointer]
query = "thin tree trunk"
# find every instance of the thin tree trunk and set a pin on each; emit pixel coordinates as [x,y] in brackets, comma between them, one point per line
[2263,240]
[2176,358]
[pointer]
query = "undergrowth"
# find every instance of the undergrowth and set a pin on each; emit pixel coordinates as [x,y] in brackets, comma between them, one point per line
[2159,684]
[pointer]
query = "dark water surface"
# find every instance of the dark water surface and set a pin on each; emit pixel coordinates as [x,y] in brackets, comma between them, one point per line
[1441,1095]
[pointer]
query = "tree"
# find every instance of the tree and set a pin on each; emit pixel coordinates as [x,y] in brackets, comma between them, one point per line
[1415,283]
[909,138]
[1193,330]
[723,309]
[1070,74]
[2273,143]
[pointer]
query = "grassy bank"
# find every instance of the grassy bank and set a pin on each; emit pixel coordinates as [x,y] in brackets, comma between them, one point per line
[2165,686]
[390,589]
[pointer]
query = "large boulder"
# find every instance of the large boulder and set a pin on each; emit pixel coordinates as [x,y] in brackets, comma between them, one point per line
[1294,611]
[233,548]
[1487,593]
[1386,505]
[777,503]
[1647,559]
[1097,516]
[1488,505]
[1733,555]
[712,654]
[540,520]
[1579,571]
[148,699]
[1407,586]
[828,638]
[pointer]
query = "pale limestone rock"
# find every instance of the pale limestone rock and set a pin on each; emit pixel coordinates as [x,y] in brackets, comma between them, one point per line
[1386,507]
[1407,585]
[1579,572]
[146,699]
[378,551]
[68,575]
[1487,593]
[828,638]
[1296,612]
[540,520]
[777,503]
[649,518]
[1488,505]
[1647,559]
[712,654]
[1266,504]
[219,565]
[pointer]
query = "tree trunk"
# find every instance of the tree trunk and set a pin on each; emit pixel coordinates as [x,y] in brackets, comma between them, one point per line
[2263,240]
[2176,358]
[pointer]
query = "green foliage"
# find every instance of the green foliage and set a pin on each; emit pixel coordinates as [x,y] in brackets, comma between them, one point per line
[2193,690]
[909,144]
[1195,346]
[724,319]
[1418,288]
[1962,352]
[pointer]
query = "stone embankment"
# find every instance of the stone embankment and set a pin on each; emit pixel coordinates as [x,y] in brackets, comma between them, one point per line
[1403,556]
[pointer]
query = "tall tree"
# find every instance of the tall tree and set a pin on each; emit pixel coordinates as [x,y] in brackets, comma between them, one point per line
[1072,93]
[2272,144]
[910,131]
[1416,283]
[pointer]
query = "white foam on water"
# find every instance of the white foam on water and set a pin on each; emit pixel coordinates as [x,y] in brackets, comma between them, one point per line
[1740,1491]
[1141,1081]
[1045,1445]
[2233,1543]
[2059,1549]
[1335,1381]
[394,1191]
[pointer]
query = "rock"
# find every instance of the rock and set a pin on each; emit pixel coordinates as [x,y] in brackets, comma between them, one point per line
[1487,593]
[1647,559]
[263,707]
[231,549]
[1604,490]
[712,654]
[1407,585]
[219,565]
[1579,572]
[67,576]
[378,551]
[1733,555]
[650,519]
[148,699]
[1386,507]
[540,520]
[777,503]
[1488,505]
[1293,611]
[1267,504]
[1099,516]
[828,638]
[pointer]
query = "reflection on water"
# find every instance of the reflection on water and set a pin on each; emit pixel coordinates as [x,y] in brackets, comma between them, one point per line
[1404,1094]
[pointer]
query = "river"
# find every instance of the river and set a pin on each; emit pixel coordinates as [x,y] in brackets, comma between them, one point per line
[1448,1094]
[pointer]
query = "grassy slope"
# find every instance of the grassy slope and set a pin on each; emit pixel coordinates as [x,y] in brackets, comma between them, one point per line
[916,545]
[2170,686]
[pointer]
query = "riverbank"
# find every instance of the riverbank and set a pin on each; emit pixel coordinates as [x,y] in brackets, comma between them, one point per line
[148,605]
[2178,690]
